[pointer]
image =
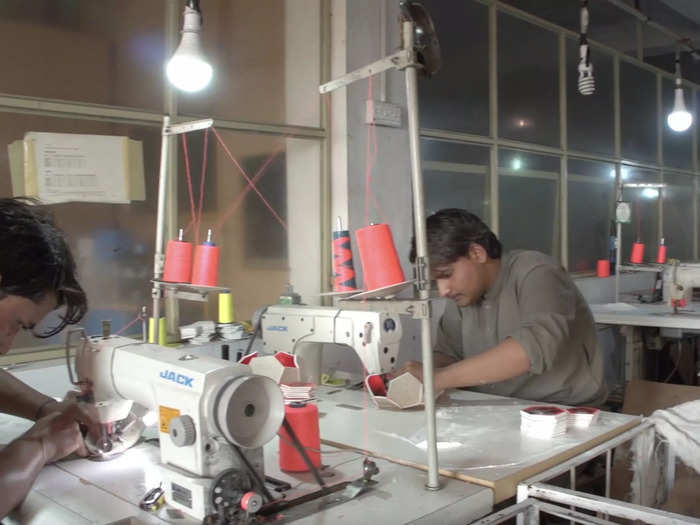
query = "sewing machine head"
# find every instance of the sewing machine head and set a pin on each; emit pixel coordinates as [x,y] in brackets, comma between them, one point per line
[374,336]
[208,409]
[681,284]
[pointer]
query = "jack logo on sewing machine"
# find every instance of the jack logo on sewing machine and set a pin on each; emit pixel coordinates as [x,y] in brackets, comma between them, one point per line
[180,379]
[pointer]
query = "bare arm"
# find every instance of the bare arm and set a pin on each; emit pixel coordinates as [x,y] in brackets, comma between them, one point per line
[504,361]
[440,360]
[19,399]
[53,437]
[20,463]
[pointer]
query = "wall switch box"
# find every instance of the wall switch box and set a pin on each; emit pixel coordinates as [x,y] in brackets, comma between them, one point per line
[383,114]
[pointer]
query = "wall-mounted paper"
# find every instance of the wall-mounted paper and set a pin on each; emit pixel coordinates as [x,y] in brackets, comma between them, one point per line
[65,167]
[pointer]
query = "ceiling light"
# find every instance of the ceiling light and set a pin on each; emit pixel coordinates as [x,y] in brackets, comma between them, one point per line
[586,83]
[187,69]
[679,119]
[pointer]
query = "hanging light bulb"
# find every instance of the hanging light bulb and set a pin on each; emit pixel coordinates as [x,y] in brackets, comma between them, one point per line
[187,69]
[679,119]
[586,83]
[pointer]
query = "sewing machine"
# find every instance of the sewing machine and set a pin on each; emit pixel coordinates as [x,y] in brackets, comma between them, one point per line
[214,418]
[681,284]
[297,329]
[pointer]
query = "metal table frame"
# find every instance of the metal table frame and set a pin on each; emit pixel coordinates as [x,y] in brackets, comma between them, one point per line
[532,491]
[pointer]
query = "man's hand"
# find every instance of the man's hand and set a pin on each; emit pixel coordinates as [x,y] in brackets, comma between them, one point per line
[59,434]
[415,368]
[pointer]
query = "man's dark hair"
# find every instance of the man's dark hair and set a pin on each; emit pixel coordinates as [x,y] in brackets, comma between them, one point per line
[450,233]
[35,260]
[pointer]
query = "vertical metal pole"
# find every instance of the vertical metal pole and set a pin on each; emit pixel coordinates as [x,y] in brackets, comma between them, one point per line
[325,101]
[660,152]
[618,169]
[694,93]
[608,469]
[564,161]
[159,257]
[172,19]
[422,263]
[572,480]
[493,121]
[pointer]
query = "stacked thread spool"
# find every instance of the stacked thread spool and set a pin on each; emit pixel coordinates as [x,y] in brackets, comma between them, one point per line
[182,267]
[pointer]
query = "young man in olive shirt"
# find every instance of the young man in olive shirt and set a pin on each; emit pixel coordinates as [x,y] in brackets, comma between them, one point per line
[516,324]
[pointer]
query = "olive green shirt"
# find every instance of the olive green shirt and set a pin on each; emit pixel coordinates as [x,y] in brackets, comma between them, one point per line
[536,303]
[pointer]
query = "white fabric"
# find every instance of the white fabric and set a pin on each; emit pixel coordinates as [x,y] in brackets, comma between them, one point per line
[680,427]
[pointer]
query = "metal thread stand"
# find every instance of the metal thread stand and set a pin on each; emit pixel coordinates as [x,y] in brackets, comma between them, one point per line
[159,256]
[406,60]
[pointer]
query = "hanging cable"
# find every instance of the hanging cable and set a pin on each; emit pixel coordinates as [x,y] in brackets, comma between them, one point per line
[586,83]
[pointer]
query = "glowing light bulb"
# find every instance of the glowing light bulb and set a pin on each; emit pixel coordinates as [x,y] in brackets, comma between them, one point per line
[517,163]
[650,193]
[187,69]
[679,119]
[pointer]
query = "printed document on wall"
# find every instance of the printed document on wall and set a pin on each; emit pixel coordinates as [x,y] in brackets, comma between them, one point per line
[83,168]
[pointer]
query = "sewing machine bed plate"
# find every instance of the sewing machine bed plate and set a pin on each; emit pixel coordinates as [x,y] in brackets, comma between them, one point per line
[479,437]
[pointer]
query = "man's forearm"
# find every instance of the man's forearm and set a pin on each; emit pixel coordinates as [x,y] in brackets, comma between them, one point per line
[504,361]
[18,398]
[20,463]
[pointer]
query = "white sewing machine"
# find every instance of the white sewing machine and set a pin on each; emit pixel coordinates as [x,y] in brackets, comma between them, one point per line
[681,284]
[207,409]
[374,336]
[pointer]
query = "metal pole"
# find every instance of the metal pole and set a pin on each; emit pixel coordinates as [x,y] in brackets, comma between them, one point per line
[422,263]
[618,170]
[159,257]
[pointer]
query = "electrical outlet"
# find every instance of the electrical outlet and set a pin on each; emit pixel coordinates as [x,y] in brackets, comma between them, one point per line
[383,114]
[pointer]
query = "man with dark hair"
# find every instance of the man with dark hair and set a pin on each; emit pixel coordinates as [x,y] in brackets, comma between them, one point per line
[516,324]
[37,275]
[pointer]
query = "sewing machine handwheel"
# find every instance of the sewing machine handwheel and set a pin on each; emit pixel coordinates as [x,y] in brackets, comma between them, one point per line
[229,488]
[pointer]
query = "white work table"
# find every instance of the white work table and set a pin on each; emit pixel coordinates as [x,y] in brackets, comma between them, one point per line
[479,438]
[655,315]
[80,491]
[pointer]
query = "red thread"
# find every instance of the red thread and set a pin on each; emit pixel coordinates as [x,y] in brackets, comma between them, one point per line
[250,182]
[201,185]
[123,328]
[380,262]
[241,196]
[189,180]
[205,270]
[178,262]
[661,254]
[637,256]
[304,422]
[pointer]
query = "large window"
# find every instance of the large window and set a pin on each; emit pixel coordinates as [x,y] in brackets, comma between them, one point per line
[528,85]
[455,176]
[591,194]
[537,195]
[528,190]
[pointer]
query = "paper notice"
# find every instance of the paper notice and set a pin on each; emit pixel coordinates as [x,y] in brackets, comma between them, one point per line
[84,168]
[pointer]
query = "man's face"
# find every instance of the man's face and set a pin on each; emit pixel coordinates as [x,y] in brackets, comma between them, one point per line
[19,313]
[463,281]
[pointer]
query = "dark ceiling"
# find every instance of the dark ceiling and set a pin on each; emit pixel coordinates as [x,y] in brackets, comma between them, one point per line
[616,28]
